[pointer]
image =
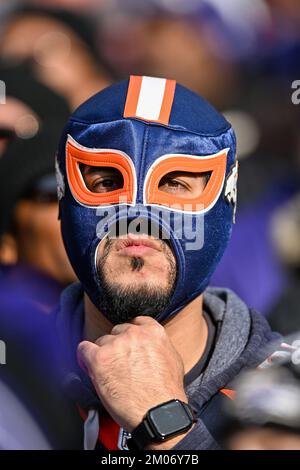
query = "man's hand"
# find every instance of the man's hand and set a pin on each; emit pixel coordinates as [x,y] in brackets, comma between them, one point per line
[133,369]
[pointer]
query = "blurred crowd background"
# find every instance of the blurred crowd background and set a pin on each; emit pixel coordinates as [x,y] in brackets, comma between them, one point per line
[242,56]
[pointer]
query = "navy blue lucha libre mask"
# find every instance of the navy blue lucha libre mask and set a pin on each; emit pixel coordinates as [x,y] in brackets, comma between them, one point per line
[145,128]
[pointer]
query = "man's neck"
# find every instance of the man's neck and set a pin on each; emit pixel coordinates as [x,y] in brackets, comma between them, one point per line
[187,329]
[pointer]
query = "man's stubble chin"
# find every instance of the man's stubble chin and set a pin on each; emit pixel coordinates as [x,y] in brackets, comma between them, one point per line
[123,301]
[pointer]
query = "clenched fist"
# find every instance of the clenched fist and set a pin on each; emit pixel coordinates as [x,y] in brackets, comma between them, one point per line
[133,369]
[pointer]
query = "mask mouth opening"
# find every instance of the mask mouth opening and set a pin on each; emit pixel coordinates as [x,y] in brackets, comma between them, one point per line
[164,283]
[142,225]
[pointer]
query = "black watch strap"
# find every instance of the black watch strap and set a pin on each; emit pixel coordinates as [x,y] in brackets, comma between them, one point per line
[143,435]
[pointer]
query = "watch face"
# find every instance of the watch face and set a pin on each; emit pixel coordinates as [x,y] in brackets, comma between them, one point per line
[169,419]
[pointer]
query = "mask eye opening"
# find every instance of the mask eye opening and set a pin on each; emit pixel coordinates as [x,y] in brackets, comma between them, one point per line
[184,181]
[191,197]
[123,191]
[101,179]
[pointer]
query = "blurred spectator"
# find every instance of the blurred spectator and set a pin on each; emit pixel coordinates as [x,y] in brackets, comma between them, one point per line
[30,393]
[32,256]
[60,46]
[44,60]
[268,179]
[162,44]
[285,316]
[180,50]
[77,5]
[33,265]
[18,431]
[265,411]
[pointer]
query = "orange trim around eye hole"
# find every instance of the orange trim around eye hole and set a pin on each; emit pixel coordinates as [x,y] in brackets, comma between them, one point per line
[133,93]
[216,164]
[105,158]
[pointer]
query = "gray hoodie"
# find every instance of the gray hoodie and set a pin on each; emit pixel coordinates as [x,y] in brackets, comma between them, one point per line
[241,339]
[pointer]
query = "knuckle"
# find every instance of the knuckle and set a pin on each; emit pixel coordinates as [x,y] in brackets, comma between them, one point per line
[115,329]
[99,341]
[131,332]
[158,329]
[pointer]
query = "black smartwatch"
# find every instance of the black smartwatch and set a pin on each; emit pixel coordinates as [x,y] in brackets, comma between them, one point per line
[162,423]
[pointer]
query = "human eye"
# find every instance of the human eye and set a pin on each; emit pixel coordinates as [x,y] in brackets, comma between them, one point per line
[102,180]
[106,184]
[173,185]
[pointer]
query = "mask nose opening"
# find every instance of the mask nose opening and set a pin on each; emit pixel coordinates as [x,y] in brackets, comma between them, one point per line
[137,226]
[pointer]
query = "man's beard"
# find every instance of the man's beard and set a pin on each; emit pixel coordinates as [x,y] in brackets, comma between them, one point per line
[123,303]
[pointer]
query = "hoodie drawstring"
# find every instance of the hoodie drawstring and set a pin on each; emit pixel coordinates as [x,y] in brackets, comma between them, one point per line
[91,430]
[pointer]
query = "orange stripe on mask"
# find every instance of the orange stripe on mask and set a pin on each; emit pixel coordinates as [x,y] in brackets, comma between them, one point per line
[167,102]
[161,93]
[133,94]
